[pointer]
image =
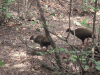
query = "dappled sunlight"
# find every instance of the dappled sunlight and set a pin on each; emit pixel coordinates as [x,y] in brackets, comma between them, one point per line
[74,67]
[18,55]
[38,57]
[22,65]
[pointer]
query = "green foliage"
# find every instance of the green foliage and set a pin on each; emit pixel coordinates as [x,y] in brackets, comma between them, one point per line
[9,15]
[40,53]
[8,2]
[51,51]
[4,5]
[72,52]
[51,15]
[46,23]
[98,68]
[64,50]
[97,65]
[92,1]
[1,63]
[86,67]
[49,9]
[65,60]
[30,46]
[88,25]
[58,73]
[93,61]
[84,20]
[16,29]
[33,22]
[98,29]
[73,58]
[52,25]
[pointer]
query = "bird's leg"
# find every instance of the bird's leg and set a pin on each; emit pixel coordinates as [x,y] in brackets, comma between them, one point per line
[87,40]
[81,44]
[47,47]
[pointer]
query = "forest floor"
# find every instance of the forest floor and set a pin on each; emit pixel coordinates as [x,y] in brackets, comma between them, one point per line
[19,54]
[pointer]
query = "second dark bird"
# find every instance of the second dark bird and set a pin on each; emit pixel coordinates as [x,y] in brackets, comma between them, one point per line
[82,34]
[42,40]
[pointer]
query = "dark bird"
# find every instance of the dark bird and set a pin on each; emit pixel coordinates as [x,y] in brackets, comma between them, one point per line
[82,34]
[42,40]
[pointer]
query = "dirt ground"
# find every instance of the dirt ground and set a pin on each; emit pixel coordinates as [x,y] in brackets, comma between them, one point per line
[18,52]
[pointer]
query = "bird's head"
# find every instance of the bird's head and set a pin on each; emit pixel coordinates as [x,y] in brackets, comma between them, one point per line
[32,37]
[68,30]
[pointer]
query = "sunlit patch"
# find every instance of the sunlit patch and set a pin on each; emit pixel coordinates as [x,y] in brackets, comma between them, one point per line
[37,47]
[98,13]
[22,66]
[23,54]
[16,54]
[19,65]
[38,57]
[7,65]
[20,54]
[74,67]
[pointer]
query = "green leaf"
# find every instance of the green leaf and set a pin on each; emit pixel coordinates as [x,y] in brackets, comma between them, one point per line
[51,25]
[74,56]
[88,25]
[15,3]
[66,51]
[83,59]
[93,60]
[65,59]
[98,68]
[33,22]
[1,63]
[51,15]
[61,49]
[46,23]
[84,20]
[17,29]
[98,63]
[39,53]
[72,51]
[73,59]
[86,67]
[9,15]
[84,62]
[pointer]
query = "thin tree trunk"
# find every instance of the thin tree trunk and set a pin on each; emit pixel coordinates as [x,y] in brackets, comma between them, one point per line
[94,19]
[58,60]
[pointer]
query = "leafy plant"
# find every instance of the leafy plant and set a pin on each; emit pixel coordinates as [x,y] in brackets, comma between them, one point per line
[51,15]
[73,58]
[97,65]
[58,73]
[84,20]
[39,53]
[1,63]
[33,22]
[86,67]
[50,51]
